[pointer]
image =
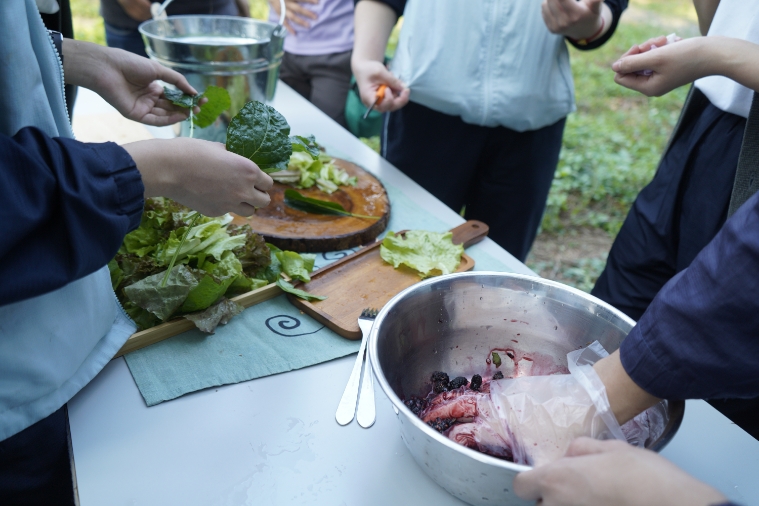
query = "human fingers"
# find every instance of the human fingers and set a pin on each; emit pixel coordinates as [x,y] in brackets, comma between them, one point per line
[529,484]
[550,15]
[594,5]
[638,62]
[589,446]
[293,18]
[376,77]
[572,18]
[659,41]
[635,82]
[162,117]
[173,77]
[232,184]
[394,100]
[633,50]
[298,9]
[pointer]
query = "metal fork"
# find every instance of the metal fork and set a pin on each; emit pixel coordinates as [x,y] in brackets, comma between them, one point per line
[346,410]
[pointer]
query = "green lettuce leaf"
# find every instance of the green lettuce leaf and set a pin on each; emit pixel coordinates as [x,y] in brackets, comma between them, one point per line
[243,284]
[142,317]
[305,144]
[181,98]
[162,301]
[254,254]
[220,313]
[260,133]
[296,266]
[289,288]
[213,283]
[142,240]
[430,253]
[117,274]
[218,102]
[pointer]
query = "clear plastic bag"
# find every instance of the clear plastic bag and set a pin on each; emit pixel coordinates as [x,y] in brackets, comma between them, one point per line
[543,414]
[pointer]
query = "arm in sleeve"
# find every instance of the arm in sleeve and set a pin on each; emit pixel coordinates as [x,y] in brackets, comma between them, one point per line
[616,7]
[66,206]
[699,337]
[396,5]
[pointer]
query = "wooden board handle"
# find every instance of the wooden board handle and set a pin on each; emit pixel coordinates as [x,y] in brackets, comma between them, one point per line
[471,232]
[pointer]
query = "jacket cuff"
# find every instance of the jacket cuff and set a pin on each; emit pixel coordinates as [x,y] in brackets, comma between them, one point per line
[397,5]
[616,13]
[130,190]
[648,368]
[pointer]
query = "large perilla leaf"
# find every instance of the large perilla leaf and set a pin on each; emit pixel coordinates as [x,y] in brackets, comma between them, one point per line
[261,134]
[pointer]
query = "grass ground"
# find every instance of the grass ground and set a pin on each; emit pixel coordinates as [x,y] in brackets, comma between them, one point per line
[611,147]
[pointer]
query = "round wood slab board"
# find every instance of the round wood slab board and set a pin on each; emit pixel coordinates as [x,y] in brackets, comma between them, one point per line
[290,229]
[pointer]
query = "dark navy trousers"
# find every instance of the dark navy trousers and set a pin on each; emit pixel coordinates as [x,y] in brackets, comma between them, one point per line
[672,219]
[502,176]
[35,468]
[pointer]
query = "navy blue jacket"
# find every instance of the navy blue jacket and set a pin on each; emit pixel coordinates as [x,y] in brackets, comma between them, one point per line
[616,6]
[699,337]
[66,207]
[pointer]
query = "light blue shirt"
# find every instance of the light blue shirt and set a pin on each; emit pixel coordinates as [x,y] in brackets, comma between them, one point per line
[54,344]
[491,62]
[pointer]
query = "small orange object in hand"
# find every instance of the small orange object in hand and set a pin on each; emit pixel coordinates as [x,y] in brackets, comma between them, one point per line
[378,97]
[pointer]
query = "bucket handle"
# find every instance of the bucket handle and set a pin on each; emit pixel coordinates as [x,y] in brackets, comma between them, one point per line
[282,7]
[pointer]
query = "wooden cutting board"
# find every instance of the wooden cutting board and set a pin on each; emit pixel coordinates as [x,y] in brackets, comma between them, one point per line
[362,280]
[290,229]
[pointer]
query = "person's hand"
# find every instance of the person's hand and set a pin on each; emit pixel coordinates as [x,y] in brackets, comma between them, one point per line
[672,65]
[295,13]
[201,175]
[576,19]
[370,75]
[544,414]
[126,81]
[139,10]
[612,472]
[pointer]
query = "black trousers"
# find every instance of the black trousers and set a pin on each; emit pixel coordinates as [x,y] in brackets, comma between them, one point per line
[35,468]
[502,176]
[672,219]
[322,79]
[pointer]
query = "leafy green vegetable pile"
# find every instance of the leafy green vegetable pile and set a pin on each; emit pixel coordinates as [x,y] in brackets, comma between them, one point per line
[430,253]
[307,169]
[216,260]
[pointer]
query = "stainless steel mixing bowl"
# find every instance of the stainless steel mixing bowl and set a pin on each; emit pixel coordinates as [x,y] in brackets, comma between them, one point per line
[450,323]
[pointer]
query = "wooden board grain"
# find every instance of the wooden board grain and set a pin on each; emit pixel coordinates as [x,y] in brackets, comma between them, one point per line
[290,229]
[362,280]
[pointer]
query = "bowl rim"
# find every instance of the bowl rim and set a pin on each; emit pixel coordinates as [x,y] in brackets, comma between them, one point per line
[415,420]
[142,28]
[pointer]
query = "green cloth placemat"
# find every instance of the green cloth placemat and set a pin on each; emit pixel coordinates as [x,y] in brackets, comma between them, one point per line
[268,338]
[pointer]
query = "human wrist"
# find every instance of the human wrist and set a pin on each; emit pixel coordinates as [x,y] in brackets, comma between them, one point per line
[602,25]
[149,158]
[82,63]
[626,398]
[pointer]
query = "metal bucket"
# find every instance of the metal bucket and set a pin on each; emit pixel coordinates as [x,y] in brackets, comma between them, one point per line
[241,55]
